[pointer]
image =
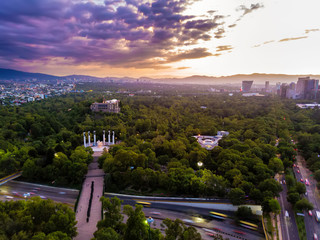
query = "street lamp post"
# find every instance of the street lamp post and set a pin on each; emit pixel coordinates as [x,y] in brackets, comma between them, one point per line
[149,221]
[200,164]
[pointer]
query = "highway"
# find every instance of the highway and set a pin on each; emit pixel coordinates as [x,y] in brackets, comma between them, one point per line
[197,217]
[10,177]
[312,226]
[289,228]
[17,189]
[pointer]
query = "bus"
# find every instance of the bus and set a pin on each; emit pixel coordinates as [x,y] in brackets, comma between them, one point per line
[145,204]
[217,215]
[248,225]
[317,215]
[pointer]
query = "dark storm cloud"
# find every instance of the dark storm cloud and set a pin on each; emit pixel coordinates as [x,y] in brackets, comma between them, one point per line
[132,33]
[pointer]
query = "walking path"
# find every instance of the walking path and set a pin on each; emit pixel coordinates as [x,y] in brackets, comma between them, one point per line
[96,175]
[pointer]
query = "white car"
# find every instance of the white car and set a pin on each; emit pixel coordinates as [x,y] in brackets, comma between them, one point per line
[187,220]
[287,214]
[9,197]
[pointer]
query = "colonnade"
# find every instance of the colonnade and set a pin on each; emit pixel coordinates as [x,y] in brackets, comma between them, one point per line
[87,144]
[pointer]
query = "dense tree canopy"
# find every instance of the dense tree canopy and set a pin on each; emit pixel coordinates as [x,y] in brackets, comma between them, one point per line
[136,226]
[36,219]
[157,152]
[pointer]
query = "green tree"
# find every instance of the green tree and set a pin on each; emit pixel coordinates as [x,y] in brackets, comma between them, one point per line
[37,219]
[293,197]
[270,185]
[317,175]
[137,228]
[112,214]
[301,188]
[275,164]
[236,196]
[244,213]
[215,185]
[177,230]
[290,181]
[303,205]
[107,234]
[274,206]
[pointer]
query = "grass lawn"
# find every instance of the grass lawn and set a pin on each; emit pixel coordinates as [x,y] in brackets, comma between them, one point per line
[301,227]
[269,224]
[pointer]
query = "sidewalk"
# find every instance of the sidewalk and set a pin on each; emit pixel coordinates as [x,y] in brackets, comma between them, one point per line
[86,229]
[279,227]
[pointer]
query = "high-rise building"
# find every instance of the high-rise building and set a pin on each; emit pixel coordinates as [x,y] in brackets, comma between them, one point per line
[283,90]
[246,86]
[307,88]
[267,86]
[278,86]
[291,91]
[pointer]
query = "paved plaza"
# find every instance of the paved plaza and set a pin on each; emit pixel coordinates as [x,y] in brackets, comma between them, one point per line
[96,175]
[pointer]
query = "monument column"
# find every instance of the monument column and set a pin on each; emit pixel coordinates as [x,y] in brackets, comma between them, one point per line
[104,137]
[89,142]
[109,142]
[84,139]
[112,137]
[94,138]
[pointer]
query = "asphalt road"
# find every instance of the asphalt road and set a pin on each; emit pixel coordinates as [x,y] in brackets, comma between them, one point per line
[312,226]
[15,190]
[197,217]
[289,228]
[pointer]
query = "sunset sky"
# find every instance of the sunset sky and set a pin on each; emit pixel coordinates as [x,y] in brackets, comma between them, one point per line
[156,38]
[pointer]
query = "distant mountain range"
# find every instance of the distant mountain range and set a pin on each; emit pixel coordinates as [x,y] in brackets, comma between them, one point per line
[9,74]
[258,78]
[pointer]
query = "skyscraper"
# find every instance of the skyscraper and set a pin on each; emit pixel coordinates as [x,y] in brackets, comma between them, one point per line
[278,86]
[307,88]
[267,86]
[283,90]
[246,86]
[291,91]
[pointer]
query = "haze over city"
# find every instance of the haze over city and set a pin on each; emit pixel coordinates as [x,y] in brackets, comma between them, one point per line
[159,119]
[160,38]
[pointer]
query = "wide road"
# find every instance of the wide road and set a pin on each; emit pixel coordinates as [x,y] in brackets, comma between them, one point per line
[197,217]
[16,189]
[301,172]
[289,228]
[203,225]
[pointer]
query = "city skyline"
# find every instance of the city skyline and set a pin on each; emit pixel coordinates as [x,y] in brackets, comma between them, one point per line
[159,38]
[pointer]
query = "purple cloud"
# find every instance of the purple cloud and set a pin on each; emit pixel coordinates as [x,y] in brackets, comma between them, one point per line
[121,33]
[191,54]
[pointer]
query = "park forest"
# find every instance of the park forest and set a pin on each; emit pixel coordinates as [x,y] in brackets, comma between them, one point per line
[156,152]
